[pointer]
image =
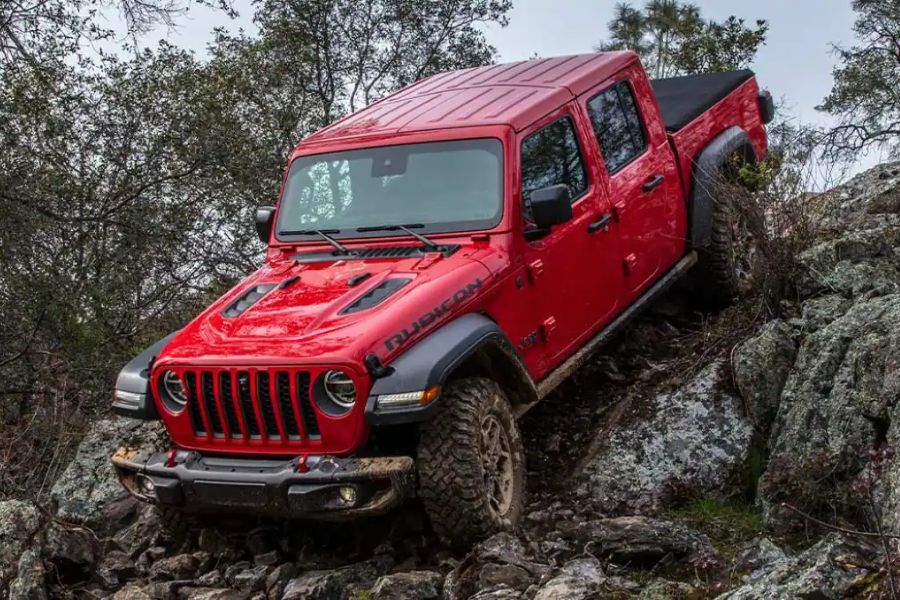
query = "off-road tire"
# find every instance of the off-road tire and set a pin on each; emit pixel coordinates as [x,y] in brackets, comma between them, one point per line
[452,460]
[725,268]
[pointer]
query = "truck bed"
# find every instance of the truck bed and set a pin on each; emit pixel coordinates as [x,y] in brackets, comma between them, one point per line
[683,99]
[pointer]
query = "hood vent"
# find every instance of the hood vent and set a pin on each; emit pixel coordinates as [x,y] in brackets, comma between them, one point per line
[237,308]
[376,295]
[371,253]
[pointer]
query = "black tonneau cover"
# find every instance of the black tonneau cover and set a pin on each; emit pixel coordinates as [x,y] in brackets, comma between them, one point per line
[683,99]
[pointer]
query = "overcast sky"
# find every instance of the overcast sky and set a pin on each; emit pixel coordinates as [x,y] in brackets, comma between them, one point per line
[795,64]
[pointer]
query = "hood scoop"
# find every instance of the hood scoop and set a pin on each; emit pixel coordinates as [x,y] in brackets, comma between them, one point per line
[376,295]
[371,253]
[251,297]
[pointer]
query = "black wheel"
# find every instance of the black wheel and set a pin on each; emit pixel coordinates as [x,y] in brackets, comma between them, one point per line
[471,464]
[725,269]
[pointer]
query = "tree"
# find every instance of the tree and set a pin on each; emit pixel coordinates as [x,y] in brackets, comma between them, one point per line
[673,39]
[43,32]
[864,97]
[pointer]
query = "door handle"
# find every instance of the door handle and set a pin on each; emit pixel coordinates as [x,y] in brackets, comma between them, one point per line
[653,183]
[601,223]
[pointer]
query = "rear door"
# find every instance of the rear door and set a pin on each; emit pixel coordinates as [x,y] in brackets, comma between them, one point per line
[641,177]
[574,270]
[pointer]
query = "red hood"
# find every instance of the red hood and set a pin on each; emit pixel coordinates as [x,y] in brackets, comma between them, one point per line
[302,322]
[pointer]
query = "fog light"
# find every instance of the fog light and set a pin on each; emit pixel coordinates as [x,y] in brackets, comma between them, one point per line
[348,494]
[147,487]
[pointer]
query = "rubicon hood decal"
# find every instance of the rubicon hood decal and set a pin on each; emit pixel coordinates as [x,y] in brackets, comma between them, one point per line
[426,320]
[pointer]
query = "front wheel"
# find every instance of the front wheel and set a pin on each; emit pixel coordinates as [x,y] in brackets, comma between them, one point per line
[471,464]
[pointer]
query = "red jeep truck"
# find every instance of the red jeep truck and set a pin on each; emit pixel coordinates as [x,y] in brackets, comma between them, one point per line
[439,262]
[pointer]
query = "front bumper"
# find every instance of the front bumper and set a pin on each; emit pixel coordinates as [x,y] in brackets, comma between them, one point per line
[315,487]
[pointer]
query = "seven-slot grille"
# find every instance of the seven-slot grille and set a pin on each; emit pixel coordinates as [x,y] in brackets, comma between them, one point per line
[242,404]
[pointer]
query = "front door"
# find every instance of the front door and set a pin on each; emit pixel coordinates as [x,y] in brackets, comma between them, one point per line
[575,268]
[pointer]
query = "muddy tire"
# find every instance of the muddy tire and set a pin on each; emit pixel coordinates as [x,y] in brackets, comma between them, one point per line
[471,464]
[725,268]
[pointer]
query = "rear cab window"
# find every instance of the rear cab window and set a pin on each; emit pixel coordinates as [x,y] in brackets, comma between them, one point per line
[616,121]
[552,156]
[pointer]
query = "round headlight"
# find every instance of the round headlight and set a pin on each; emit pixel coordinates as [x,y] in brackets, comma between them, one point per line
[340,388]
[174,389]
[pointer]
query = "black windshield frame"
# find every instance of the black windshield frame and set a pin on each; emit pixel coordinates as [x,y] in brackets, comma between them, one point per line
[494,145]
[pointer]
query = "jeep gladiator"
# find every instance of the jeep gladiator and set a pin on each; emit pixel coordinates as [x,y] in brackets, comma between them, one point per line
[437,263]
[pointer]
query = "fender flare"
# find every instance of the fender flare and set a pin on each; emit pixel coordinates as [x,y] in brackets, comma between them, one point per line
[707,171]
[132,397]
[433,360]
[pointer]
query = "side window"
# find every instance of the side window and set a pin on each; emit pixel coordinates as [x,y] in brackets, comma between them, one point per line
[551,156]
[617,125]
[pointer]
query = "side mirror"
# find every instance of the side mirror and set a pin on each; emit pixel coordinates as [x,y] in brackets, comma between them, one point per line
[263,222]
[551,206]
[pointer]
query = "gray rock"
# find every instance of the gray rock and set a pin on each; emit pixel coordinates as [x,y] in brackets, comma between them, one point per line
[89,483]
[20,524]
[278,578]
[338,584]
[828,570]
[115,568]
[836,405]
[761,365]
[692,439]
[637,539]
[498,562]
[29,583]
[579,579]
[662,589]
[143,533]
[499,593]
[203,593]
[180,566]
[760,556]
[70,546]
[252,579]
[414,584]
[818,312]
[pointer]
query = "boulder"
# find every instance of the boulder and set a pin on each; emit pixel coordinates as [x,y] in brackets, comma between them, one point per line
[178,567]
[195,593]
[89,484]
[337,584]
[833,568]
[414,584]
[579,579]
[760,366]
[20,526]
[638,539]
[839,401]
[29,583]
[692,439]
[499,562]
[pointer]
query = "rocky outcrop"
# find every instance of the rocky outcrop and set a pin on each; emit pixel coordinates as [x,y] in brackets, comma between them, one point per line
[761,365]
[833,568]
[840,399]
[21,569]
[820,388]
[692,439]
[88,486]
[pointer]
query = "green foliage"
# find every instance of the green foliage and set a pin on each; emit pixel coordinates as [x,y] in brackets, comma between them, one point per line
[728,524]
[673,39]
[864,95]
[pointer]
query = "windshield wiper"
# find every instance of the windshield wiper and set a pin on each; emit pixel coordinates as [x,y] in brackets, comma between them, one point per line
[322,233]
[408,228]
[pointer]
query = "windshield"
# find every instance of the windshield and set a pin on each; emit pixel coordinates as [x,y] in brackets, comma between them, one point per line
[443,186]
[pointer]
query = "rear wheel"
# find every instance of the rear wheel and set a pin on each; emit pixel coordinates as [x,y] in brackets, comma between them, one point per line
[726,266]
[471,464]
